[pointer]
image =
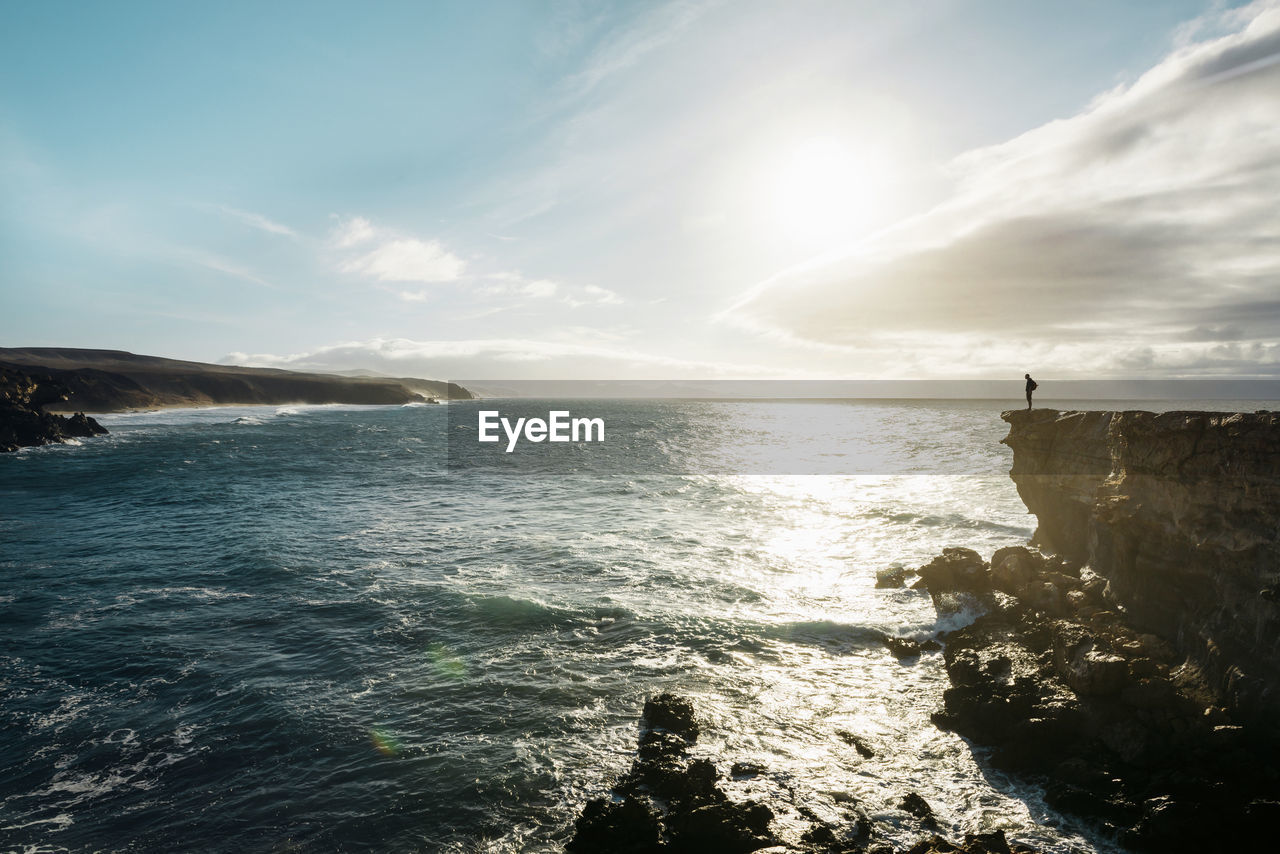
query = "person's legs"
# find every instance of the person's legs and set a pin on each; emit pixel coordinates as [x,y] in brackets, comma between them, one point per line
[1028,400]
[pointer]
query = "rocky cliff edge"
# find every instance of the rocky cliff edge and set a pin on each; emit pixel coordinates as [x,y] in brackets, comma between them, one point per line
[1180,513]
[23,421]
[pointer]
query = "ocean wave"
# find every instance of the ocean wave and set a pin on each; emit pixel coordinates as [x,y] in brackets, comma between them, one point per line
[828,633]
[516,612]
[512,611]
[205,593]
[61,821]
[53,447]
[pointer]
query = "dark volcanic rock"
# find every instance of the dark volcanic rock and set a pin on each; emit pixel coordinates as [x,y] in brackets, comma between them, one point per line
[1177,511]
[23,423]
[672,713]
[857,742]
[671,802]
[82,426]
[720,826]
[956,569]
[1138,668]
[902,647]
[974,843]
[1114,718]
[894,576]
[955,579]
[628,827]
[917,806]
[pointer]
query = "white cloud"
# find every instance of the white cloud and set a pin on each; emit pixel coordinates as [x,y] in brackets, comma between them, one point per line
[602,296]
[385,255]
[1107,236]
[353,232]
[592,295]
[510,284]
[394,257]
[540,288]
[407,260]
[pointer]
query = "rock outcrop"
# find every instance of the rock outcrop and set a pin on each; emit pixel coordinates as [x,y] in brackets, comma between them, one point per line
[23,421]
[1129,657]
[1179,512]
[669,801]
[672,801]
[1122,729]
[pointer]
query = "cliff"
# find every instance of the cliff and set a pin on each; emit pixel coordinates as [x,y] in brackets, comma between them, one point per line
[109,380]
[1180,513]
[23,421]
[1127,661]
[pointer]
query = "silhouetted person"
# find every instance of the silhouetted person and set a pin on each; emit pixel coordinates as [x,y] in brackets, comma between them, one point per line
[1031,386]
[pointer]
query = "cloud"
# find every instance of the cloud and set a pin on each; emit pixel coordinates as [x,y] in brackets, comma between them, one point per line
[602,296]
[511,284]
[353,232]
[407,260]
[376,252]
[1110,235]
[258,221]
[394,257]
[517,285]
[592,295]
[631,44]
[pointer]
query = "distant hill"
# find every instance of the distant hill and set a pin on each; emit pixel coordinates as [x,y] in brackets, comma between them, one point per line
[110,380]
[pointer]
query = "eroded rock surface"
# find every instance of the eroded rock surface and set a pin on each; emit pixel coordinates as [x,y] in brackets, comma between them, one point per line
[672,801]
[1179,512]
[1119,725]
[23,421]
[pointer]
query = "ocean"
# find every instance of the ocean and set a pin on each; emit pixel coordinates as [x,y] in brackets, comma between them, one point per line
[306,628]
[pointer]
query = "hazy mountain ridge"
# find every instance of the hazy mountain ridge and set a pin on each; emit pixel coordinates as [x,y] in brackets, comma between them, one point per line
[110,380]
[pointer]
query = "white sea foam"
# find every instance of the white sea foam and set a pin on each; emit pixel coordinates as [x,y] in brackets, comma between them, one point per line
[206,593]
[61,821]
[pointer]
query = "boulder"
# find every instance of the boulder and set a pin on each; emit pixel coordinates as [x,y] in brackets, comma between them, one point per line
[956,570]
[894,576]
[625,827]
[671,713]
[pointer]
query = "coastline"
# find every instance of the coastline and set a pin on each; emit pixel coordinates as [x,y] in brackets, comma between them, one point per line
[103,381]
[1112,724]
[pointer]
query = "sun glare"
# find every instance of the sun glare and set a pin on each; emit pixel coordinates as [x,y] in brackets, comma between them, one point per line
[822,188]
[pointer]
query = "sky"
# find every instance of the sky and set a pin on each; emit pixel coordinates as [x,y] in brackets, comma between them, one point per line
[943,189]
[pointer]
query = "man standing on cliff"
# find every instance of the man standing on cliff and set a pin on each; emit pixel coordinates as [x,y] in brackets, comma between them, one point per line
[1031,386]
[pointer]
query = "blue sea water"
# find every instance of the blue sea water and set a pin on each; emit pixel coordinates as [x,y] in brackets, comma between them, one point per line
[298,628]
